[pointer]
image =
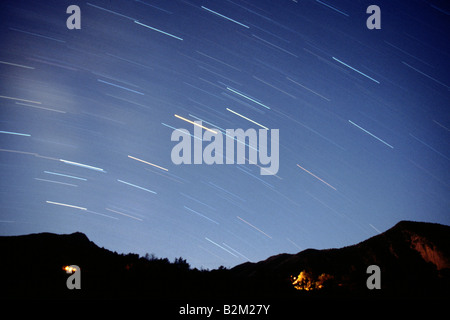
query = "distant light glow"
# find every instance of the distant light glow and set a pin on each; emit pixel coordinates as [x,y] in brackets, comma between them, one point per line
[70,269]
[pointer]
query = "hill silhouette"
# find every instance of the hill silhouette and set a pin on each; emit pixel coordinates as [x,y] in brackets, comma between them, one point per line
[414,260]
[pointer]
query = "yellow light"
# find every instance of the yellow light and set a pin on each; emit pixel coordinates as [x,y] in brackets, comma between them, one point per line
[69,269]
[305,281]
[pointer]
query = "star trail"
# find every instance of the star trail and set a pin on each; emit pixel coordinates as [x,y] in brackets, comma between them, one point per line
[87,117]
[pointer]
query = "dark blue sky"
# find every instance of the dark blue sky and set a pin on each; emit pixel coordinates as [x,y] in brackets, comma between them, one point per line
[363,117]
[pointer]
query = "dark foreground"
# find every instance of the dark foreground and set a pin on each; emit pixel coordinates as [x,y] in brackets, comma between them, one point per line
[413,259]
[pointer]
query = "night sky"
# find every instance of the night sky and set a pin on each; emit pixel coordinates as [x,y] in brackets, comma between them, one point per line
[363,118]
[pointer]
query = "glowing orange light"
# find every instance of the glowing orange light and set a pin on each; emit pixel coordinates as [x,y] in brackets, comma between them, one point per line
[69,269]
[306,281]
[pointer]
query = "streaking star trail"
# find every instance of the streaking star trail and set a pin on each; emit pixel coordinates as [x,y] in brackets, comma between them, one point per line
[298,125]
[372,135]
[72,163]
[135,186]
[66,205]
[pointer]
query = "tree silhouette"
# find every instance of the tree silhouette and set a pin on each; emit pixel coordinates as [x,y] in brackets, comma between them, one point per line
[181,264]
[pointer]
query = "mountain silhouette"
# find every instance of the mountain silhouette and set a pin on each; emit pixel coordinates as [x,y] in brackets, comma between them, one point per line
[413,259]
